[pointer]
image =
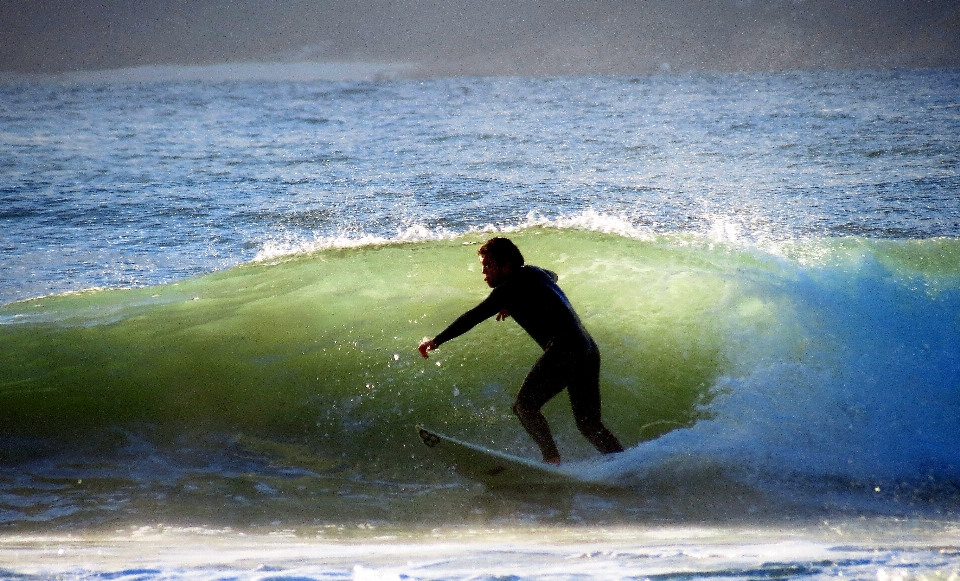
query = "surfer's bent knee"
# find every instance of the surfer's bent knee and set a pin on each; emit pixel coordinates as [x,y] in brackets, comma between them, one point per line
[522,411]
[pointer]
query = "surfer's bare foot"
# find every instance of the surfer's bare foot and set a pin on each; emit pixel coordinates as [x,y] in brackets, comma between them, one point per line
[555,461]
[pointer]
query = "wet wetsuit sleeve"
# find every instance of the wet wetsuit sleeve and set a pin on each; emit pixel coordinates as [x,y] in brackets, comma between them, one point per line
[488,308]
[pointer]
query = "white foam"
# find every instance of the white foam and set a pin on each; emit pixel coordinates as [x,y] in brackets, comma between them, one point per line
[590,220]
[881,550]
[857,382]
[289,247]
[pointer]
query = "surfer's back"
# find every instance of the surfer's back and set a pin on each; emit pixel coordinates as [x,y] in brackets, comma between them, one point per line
[533,298]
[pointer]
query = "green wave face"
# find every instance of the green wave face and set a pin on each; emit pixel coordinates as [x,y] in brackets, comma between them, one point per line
[312,359]
[321,349]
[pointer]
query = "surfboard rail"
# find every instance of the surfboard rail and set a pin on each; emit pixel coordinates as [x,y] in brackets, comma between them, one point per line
[497,469]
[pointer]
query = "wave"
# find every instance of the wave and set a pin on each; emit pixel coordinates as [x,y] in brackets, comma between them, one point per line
[853,387]
[824,367]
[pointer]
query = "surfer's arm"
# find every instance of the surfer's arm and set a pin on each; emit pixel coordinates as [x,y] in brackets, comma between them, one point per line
[489,307]
[431,344]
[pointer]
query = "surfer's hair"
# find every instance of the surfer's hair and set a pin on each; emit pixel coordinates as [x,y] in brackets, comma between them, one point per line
[502,251]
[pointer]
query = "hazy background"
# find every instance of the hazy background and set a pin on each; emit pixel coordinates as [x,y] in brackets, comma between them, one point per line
[483,37]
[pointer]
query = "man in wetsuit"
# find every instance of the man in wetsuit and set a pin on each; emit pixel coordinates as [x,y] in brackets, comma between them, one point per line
[570,357]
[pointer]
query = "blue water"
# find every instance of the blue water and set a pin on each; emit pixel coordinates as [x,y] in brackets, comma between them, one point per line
[119,185]
[769,262]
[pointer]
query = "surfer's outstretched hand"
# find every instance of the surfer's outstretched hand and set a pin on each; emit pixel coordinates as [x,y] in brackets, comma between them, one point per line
[427,345]
[503,314]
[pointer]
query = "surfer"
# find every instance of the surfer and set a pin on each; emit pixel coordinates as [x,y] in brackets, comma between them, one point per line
[570,357]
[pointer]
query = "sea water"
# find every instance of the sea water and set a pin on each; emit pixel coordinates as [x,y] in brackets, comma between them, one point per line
[213,294]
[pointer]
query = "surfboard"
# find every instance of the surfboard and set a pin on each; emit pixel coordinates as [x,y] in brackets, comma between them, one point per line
[497,469]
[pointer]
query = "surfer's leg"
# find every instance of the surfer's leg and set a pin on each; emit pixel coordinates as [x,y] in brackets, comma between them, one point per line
[584,392]
[535,423]
[540,385]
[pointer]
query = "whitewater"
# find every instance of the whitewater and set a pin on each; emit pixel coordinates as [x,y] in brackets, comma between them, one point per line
[212,294]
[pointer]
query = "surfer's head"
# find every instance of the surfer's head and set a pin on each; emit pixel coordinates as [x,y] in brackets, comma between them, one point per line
[499,257]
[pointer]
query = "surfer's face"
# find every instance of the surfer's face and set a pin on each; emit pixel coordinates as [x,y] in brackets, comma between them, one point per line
[493,273]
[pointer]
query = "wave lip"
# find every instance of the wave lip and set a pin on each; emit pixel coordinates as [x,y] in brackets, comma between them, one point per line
[587,220]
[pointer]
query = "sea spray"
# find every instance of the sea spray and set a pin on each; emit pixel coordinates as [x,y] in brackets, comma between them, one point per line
[854,390]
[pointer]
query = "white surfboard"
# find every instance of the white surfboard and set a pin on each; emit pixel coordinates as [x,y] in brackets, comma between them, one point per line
[499,470]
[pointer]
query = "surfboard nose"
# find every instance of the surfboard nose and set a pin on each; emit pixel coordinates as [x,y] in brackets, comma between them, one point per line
[427,437]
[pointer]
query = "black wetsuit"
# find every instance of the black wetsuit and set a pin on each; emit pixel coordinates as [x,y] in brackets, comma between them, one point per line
[570,357]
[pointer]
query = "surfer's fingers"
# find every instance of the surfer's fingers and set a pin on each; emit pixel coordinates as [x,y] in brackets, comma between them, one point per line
[427,345]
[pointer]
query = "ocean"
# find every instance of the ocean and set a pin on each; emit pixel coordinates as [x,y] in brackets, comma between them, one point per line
[211,294]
